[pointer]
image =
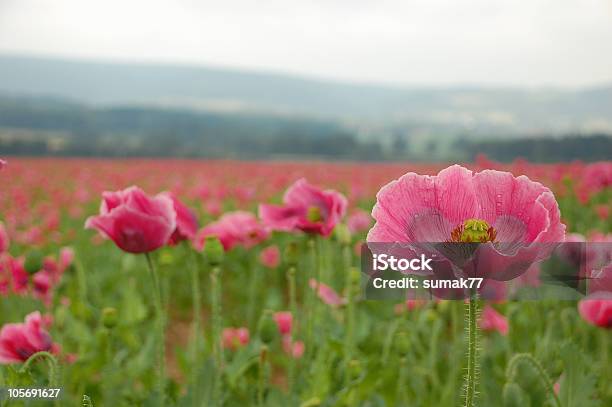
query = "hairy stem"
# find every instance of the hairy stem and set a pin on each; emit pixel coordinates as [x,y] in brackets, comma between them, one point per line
[472,351]
[512,370]
[310,296]
[159,332]
[350,310]
[401,382]
[54,378]
[215,286]
[293,309]
[262,383]
[196,298]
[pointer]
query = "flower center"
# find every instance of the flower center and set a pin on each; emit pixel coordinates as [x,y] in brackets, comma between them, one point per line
[473,231]
[314,214]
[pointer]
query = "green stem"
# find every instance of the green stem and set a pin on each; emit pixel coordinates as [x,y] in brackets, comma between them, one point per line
[310,296]
[253,283]
[472,354]
[350,311]
[159,332]
[54,373]
[81,281]
[108,371]
[196,297]
[54,370]
[262,383]
[605,352]
[512,371]
[293,309]
[215,285]
[401,380]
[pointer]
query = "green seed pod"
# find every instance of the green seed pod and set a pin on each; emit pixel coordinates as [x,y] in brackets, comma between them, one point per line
[313,402]
[354,369]
[355,277]
[34,261]
[109,317]
[514,396]
[342,233]
[267,327]
[402,343]
[213,250]
[291,254]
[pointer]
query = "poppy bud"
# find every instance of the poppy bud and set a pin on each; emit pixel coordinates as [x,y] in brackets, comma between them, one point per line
[33,262]
[355,277]
[343,234]
[109,317]
[291,254]
[354,369]
[267,327]
[213,250]
[402,343]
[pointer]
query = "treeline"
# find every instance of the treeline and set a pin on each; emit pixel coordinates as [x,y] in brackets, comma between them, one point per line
[58,128]
[592,147]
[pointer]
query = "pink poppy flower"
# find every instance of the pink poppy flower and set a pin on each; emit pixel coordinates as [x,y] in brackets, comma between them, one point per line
[2,164]
[408,305]
[234,228]
[13,277]
[4,239]
[515,221]
[19,274]
[306,208]
[603,211]
[600,280]
[270,256]
[294,349]
[491,320]
[284,321]
[186,221]
[42,283]
[213,208]
[595,177]
[233,338]
[136,222]
[20,341]
[359,221]
[327,294]
[66,257]
[596,309]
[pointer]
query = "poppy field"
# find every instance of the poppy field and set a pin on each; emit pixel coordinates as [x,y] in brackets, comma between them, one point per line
[228,283]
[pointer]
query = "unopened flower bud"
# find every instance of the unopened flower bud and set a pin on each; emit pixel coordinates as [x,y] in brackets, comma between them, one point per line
[354,369]
[291,254]
[213,250]
[267,327]
[342,233]
[33,262]
[109,317]
[402,343]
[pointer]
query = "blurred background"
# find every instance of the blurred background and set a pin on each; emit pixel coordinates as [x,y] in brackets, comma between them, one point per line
[421,80]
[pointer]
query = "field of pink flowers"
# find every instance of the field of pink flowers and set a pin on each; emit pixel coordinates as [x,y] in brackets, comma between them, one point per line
[209,283]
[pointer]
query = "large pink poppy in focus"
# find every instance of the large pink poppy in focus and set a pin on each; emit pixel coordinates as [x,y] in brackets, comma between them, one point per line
[488,224]
[305,208]
[136,222]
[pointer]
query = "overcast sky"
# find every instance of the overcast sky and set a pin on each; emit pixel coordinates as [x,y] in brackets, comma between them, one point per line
[416,42]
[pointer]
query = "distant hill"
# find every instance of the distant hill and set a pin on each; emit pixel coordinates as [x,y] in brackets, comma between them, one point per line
[426,110]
